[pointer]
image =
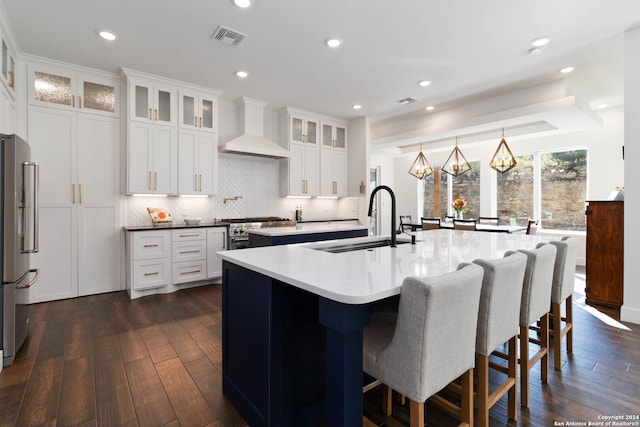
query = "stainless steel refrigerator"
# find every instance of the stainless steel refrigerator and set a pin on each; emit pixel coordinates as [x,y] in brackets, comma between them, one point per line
[18,239]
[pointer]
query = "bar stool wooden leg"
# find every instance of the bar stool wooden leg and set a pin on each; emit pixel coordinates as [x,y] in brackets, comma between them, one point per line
[569,322]
[512,366]
[482,371]
[556,317]
[386,400]
[466,403]
[544,348]
[524,366]
[416,414]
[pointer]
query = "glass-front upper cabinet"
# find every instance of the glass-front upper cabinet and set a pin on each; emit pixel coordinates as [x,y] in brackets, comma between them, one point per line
[62,88]
[198,110]
[152,102]
[8,66]
[303,130]
[334,135]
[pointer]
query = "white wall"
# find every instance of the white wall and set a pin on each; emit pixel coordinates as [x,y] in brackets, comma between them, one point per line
[386,177]
[630,311]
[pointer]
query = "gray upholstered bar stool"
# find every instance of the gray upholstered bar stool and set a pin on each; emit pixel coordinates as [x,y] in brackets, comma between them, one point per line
[416,351]
[564,276]
[498,323]
[534,306]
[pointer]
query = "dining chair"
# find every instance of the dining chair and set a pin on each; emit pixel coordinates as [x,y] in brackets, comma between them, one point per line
[498,323]
[464,224]
[416,351]
[405,223]
[492,220]
[430,223]
[534,306]
[563,283]
[532,226]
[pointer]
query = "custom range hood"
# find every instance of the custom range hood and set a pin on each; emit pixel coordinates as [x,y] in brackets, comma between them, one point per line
[251,141]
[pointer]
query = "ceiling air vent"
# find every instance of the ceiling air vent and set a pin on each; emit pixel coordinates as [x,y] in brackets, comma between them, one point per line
[228,36]
[407,101]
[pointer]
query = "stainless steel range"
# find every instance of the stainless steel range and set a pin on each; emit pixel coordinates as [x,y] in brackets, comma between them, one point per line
[238,228]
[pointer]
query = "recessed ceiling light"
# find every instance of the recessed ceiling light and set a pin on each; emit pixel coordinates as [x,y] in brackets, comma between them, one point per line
[333,42]
[429,107]
[534,51]
[107,35]
[356,106]
[242,74]
[567,70]
[540,41]
[424,83]
[243,3]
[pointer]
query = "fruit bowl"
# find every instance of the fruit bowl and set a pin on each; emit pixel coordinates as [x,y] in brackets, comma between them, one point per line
[192,221]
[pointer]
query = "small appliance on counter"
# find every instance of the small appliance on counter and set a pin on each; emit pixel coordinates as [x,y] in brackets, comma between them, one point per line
[19,239]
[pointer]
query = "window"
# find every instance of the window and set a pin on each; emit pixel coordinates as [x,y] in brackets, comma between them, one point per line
[563,179]
[515,192]
[467,187]
[435,198]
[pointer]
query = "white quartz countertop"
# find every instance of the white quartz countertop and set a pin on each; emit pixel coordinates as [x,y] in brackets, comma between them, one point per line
[306,229]
[367,275]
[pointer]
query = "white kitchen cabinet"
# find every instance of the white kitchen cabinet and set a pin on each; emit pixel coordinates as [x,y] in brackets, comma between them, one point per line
[333,173]
[303,170]
[149,262]
[198,110]
[197,162]
[303,129]
[8,112]
[79,207]
[152,101]
[8,74]
[334,135]
[189,255]
[216,241]
[72,90]
[152,160]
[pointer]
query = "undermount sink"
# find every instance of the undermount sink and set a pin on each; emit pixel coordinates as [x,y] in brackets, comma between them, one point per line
[349,247]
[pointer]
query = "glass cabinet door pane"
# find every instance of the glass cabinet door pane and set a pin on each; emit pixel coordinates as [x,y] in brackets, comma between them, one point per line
[99,97]
[296,129]
[142,102]
[189,110]
[312,132]
[52,88]
[5,54]
[164,106]
[327,131]
[207,113]
[341,137]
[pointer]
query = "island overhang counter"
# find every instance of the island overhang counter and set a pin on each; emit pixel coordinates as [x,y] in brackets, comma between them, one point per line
[293,317]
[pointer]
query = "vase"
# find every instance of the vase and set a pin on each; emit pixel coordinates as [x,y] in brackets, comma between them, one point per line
[459,215]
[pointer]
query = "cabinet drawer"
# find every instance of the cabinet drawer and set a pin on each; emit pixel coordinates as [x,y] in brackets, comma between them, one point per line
[151,274]
[151,244]
[189,271]
[189,251]
[187,234]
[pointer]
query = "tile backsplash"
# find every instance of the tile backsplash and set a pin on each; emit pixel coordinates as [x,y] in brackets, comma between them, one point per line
[253,181]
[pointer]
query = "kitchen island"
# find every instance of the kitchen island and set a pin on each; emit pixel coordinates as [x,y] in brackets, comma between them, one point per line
[293,317]
[312,232]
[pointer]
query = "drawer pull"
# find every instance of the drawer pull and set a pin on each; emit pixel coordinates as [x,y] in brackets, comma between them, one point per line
[197,251]
[184,273]
[155,273]
[151,246]
[190,235]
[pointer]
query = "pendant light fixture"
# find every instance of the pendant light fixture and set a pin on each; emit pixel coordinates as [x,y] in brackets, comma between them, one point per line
[503,160]
[420,167]
[456,164]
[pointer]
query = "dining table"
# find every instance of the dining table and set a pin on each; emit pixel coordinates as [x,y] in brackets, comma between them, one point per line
[293,317]
[479,227]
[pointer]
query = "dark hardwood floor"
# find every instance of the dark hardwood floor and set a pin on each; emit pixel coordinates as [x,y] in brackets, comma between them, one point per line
[105,360]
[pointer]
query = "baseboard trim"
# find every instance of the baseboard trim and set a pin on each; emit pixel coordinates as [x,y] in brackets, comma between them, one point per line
[630,314]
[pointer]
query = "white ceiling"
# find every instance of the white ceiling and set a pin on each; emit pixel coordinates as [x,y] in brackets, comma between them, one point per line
[470,49]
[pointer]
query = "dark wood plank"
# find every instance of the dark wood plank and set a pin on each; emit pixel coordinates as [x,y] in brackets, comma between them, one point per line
[40,404]
[77,393]
[149,396]
[113,397]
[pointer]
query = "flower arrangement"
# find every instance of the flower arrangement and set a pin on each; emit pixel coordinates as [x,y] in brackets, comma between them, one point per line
[459,206]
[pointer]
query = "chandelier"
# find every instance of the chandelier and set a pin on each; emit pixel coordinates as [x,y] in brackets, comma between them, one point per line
[456,163]
[420,167]
[503,159]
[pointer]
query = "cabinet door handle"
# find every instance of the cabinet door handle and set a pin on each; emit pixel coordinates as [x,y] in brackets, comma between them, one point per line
[150,114]
[197,251]
[149,186]
[195,121]
[73,101]
[155,181]
[195,182]
[151,246]
[200,121]
[224,240]
[184,273]
[156,114]
[200,182]
[73,193]
[190,235]
[155,273]
[80,193]
[79,101]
